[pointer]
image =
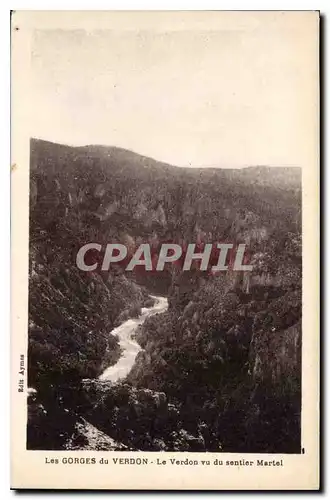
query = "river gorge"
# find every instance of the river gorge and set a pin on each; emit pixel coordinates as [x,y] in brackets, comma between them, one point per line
[130,348]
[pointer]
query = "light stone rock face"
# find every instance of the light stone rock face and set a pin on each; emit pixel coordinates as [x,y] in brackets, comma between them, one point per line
[87,437]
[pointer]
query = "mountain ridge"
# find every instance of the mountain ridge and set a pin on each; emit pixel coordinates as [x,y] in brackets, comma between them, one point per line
[115,150]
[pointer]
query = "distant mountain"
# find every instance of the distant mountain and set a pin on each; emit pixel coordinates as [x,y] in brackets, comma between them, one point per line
[121,159]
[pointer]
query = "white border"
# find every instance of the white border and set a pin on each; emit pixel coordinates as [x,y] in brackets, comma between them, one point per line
[323,6]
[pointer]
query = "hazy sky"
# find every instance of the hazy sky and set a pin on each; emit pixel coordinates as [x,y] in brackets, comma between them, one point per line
[223,98]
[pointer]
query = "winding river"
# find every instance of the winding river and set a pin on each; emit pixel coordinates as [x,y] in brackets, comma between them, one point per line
[130,347]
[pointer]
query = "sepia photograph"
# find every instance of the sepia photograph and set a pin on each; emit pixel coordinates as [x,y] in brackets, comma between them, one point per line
[165,255]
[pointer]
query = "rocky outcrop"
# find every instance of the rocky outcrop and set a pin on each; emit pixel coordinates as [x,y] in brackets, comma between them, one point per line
[88,437]
[142,419]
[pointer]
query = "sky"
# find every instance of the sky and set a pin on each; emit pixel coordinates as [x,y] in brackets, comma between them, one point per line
[224,98]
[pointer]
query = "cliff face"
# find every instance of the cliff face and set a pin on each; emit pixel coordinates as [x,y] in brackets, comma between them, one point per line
[275,349]
[226,355]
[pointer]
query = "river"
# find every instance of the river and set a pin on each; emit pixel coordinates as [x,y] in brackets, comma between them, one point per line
[130,347]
